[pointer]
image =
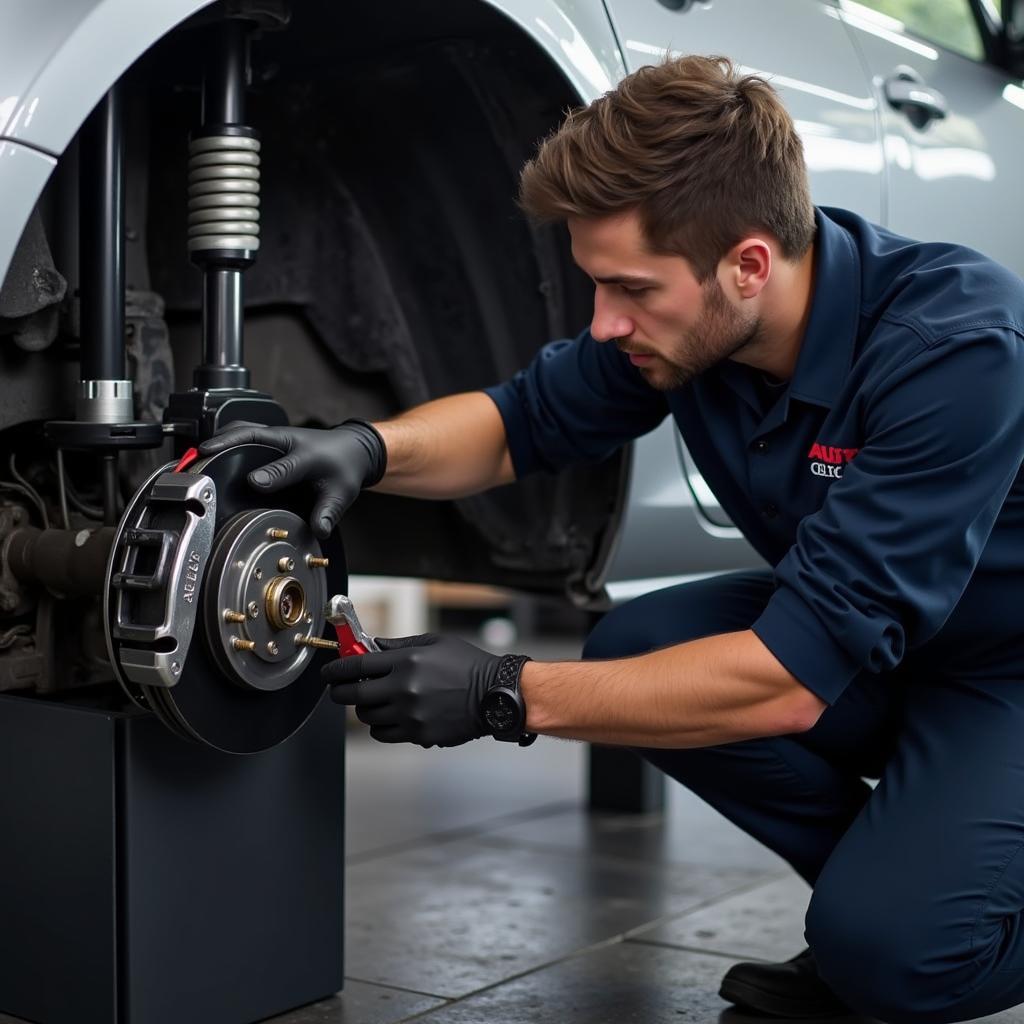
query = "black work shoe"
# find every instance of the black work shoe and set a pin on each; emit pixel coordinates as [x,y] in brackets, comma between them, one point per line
[790,989]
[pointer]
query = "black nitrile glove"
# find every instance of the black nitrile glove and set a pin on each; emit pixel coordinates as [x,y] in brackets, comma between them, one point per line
[418,689]
[339,463]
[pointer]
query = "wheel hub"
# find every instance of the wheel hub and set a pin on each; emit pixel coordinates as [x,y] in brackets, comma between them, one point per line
[266,596]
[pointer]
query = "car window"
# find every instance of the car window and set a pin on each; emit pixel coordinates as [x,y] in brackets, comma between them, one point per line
[949,23]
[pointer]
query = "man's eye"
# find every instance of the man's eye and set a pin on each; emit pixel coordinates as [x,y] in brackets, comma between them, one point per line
[634,291]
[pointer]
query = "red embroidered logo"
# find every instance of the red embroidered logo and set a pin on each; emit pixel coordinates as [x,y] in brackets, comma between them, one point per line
[828,461]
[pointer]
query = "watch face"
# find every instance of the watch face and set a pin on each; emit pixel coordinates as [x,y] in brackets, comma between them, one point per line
[501,711]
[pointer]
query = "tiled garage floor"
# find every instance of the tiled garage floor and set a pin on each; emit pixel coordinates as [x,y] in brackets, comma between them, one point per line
[479,892]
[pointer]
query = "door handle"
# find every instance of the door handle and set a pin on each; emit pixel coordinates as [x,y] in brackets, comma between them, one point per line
[905,91]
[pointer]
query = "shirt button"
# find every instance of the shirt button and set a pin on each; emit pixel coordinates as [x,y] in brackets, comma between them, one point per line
[771,510]
[761,447]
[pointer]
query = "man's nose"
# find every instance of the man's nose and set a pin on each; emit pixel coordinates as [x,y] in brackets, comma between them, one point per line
[607,322]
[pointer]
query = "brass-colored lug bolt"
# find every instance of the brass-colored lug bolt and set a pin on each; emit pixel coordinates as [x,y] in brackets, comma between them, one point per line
[285,564]
[230,616]
[275,534]
[315,641]
[243,645]
[272,647]
[317,563]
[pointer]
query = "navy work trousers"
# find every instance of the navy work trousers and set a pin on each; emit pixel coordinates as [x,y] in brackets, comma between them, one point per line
[918,885]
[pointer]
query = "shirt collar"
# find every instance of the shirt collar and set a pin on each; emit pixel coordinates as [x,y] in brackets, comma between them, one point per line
[826,353]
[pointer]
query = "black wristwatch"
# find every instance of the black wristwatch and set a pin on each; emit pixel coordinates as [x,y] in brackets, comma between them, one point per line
[502,708]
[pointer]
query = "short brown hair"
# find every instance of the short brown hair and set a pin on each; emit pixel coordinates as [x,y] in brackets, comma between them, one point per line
[703,154]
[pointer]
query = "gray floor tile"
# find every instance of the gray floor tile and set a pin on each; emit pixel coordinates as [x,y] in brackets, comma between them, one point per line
[400,793]
[764,923]
[451,918]
[625,983]
[361,1003]
[1014,1016]
[690,832]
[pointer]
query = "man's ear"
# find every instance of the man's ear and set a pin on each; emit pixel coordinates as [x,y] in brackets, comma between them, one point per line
[748,266]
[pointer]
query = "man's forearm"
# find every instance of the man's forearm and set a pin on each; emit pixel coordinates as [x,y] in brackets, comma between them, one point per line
[719,689]
[448,448]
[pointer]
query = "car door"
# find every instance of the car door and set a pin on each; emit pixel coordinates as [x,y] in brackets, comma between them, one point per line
[953,125]
[802,47]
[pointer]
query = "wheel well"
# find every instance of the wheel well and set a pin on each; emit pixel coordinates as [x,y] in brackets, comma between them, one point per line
[394,265]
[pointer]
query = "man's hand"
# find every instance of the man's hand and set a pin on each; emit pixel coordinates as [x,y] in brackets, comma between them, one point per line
[417,689]
[339,463]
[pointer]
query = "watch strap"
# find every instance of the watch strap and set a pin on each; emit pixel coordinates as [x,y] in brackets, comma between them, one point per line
[509,669]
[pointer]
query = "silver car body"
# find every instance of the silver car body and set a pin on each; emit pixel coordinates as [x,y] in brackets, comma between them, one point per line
[828,58]
[954,179]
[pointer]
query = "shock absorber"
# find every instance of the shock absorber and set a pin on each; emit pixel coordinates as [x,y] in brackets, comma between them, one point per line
[224,228]
[224,207]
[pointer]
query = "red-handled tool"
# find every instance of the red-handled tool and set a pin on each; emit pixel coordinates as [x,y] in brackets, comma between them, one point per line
[352,638]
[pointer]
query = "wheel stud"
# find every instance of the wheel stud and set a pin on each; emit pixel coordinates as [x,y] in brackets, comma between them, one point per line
[315,641]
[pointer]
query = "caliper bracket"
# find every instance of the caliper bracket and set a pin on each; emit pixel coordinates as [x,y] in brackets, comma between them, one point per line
[157,565]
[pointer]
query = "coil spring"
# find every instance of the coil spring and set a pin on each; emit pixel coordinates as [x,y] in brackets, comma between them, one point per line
[224,193]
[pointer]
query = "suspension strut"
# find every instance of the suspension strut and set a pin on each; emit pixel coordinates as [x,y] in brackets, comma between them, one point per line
[224,232]
[224,207]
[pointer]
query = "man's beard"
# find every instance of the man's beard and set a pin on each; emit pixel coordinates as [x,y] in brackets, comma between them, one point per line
[719,333]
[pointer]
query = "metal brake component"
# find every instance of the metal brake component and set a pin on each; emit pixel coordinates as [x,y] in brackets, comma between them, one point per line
[157,561]
[244,682]
[265,594]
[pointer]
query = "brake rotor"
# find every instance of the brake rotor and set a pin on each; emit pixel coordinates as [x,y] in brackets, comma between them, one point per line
[209,603]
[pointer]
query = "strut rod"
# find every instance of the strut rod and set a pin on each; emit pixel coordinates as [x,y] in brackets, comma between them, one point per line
[102,242]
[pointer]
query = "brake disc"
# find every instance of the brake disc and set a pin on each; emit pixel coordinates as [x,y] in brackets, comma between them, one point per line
[209,603]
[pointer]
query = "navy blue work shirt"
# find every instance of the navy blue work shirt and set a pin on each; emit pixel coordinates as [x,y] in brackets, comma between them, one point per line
[882,482]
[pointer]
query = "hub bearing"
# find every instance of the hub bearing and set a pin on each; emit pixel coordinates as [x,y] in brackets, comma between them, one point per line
[260,570]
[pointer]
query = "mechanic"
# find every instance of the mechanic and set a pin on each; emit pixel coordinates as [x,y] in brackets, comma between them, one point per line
[855,399]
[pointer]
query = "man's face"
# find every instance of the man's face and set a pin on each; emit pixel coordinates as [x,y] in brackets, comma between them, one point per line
[653,307]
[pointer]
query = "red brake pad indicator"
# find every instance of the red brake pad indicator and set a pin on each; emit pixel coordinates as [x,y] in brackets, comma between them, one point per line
[186,460]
